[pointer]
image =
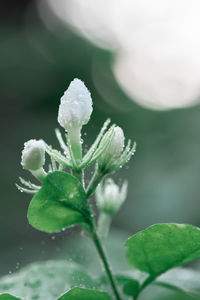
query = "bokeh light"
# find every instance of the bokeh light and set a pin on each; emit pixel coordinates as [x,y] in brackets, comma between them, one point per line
[156,44]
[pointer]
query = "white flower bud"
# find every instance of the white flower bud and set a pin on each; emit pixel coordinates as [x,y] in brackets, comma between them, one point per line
[111,158]
[75,106]
[117,145]
[33,155]
[110,197]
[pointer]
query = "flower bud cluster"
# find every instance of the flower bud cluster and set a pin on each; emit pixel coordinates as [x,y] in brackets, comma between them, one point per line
[110,197]
[108,150]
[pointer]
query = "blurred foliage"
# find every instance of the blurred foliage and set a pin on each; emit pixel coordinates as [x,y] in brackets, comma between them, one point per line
[52,278]
[36,67]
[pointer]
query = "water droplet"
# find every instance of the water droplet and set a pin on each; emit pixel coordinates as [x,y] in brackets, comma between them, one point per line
[17,265]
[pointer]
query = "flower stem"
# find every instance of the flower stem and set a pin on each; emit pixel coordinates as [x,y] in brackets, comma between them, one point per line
[103,225]
[96,179]
[78,174]
[40,174]
[74,139]
[75,143]
[104,260]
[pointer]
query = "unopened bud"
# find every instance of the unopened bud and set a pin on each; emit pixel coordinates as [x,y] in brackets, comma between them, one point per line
[110,197]
[111,157]
[116,147]
[75,106]
[33,155]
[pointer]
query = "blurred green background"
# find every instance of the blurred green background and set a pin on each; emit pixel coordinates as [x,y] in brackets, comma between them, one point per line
[36,67]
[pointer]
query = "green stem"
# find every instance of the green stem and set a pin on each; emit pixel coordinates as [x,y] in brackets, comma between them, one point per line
[96,179]
[40,174]
[104,221]
[78,174]
[74,140]
[145,283]
[75,143]
[104,260]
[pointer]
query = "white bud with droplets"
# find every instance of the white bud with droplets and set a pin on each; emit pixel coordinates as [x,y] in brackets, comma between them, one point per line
[33,155]
[110,197]
[117,144]
[111,158]
[75,106]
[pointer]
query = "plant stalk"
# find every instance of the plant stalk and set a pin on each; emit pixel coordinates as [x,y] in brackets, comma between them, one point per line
[75,144]
[104,260]
[149,280]
[78,174]
[96,179]
[103,225]
[39,174]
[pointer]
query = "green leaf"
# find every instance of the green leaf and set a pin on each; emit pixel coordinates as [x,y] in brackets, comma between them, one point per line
[60,203]
[84,294]
[162,247]
[131,288]
[8,297]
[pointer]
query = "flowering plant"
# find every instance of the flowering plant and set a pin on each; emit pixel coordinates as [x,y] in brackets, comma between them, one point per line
[61,199]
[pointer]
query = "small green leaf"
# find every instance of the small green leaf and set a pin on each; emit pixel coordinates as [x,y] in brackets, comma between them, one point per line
[60,203]
[84,294]
[8,297]
[131,288]
[162,247]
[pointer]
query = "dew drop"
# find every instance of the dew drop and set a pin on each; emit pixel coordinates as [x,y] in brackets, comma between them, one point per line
[17,265]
